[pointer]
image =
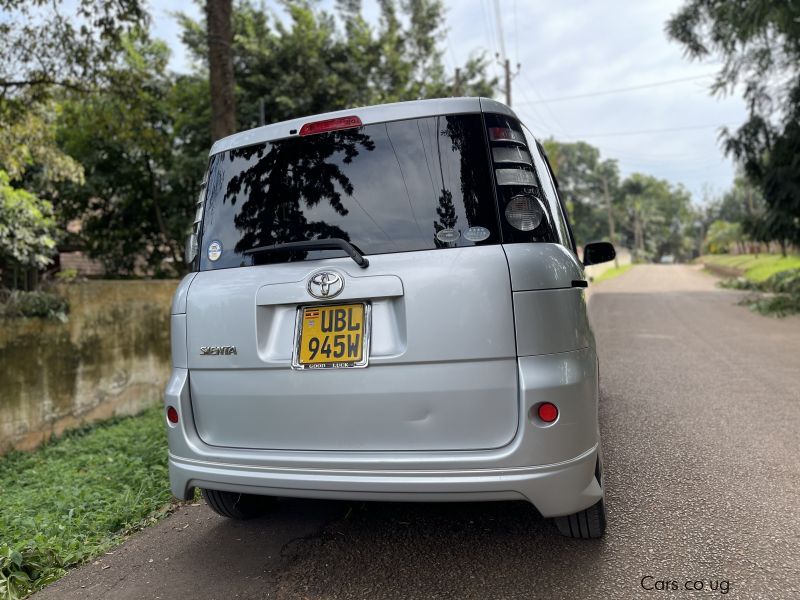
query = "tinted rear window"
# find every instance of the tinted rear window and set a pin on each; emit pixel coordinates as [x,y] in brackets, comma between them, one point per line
[391,187]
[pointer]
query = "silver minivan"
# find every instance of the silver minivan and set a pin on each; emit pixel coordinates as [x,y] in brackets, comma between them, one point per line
[386,303]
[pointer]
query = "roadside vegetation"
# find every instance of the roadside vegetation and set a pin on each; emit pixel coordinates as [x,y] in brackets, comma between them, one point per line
[773,279]
[755,267]
[778,295]
[36,303]
[612,272]
[78,496]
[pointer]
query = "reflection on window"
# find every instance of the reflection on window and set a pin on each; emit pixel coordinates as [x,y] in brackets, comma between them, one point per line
[391,187]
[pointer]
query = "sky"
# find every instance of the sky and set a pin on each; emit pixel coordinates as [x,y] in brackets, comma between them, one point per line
[584,48]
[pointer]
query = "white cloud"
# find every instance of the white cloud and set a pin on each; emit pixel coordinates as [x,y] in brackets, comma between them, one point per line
[579,47]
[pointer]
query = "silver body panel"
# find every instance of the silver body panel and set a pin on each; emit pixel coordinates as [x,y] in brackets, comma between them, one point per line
[465,343]
[442,371]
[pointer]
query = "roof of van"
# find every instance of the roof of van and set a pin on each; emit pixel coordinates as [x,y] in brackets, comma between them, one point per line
[381,113]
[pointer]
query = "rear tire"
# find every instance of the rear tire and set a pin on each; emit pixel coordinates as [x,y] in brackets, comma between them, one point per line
[234,505]
[587,524]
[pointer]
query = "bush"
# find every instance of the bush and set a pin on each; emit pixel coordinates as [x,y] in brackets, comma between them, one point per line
[33,304]
[27,227]
[785,282]
[740,283]
[67,275]
[780,293]
[779,305]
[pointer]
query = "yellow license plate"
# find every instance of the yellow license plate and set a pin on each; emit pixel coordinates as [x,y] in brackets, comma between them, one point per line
[332,336]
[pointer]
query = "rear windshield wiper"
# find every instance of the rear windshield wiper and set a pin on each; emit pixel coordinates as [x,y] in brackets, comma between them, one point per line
[326,244]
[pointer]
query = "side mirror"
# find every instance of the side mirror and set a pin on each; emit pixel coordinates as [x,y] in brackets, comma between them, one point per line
[598,252]
[190,251]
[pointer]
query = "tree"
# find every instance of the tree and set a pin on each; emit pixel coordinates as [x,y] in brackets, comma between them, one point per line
[46,48]
[648,215]
[141,183]
[741,201]
[659,219]
[315,61]
[759,44]
[42,46]
[27,227]
[31,166]
[742,205]
[583,182]
[29,152]
[220,68]
[721,235]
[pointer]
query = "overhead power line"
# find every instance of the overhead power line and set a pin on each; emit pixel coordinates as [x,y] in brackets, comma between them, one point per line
[555,119]
[624,89]
[488,26]
[501,56]
[516,33]
[646,131]
[499,24]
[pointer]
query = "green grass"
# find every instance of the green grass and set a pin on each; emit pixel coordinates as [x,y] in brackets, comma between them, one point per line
[612,272]
[755,269]
[78,496]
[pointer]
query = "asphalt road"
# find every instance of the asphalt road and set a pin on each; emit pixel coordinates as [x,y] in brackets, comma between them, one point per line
[700,410]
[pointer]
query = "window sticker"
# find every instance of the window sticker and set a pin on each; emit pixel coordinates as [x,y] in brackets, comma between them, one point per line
[476,234]
[214,250]
[447,236]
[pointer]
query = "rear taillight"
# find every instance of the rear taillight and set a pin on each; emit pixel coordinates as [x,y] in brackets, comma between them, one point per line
[330,125]
[505,134]
[172,415]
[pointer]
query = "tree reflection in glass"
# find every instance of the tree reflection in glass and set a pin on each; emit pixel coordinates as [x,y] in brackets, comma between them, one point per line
[286,174]
[385,187]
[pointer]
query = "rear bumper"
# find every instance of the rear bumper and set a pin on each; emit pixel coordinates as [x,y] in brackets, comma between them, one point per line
[550,466]
[554,489]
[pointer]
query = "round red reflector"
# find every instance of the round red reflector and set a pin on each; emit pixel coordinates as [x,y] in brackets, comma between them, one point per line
[548,412]
[172,414]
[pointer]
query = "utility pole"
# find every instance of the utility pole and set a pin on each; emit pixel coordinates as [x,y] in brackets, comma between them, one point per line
[509,76]
[457,83]
[508,82]
[502,59]
[611,233]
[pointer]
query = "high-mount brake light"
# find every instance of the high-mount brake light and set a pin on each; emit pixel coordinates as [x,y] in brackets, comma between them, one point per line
[330,125]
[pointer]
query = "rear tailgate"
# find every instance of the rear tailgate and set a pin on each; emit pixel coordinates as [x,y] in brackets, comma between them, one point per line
[442,361]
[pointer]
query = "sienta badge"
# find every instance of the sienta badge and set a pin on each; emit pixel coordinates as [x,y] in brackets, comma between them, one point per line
[214,250]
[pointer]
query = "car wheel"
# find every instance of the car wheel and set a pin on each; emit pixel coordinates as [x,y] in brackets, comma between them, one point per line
[589,523]
[234,505]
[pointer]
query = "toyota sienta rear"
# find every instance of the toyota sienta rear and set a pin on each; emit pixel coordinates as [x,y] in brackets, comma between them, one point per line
[386,303]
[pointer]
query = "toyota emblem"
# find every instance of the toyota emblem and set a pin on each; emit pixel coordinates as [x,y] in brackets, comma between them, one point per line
[325,284]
